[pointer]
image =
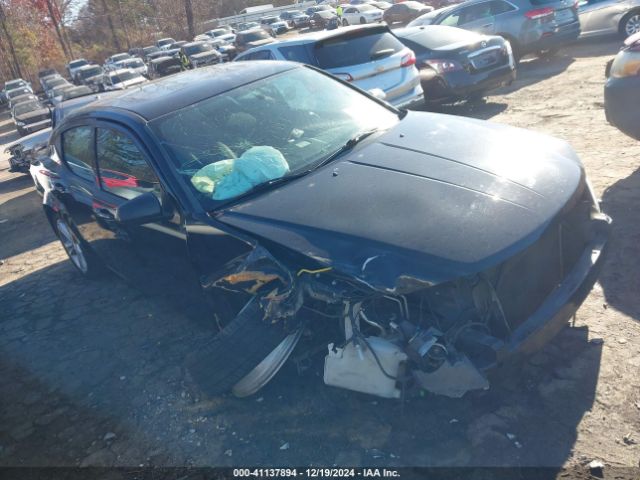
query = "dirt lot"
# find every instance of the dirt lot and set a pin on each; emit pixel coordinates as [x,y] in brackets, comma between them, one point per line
[91,372]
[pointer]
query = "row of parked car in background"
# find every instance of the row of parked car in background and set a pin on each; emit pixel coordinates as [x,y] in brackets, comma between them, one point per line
[456,51]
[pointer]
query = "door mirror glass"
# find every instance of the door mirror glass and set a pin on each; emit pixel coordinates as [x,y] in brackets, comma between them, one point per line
[142,209]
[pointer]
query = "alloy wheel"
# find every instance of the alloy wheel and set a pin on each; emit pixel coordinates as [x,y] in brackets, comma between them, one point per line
[71,244]
[632,25]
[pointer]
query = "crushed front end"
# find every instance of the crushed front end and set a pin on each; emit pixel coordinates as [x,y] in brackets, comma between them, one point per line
[445,337]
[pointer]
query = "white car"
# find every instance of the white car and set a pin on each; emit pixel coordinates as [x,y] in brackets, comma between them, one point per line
[74,65]
[135,64]
[369,57]
[121,79]
[109,63]
[164,43]
[361,14]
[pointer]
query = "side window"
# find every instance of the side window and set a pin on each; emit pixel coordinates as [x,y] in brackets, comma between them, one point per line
[262,55]
[350,10]
[479,11]
[499,6]
[123,169]
[77,150]
[452,20]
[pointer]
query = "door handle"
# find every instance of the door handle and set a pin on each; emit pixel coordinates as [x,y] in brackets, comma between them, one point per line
[487,25]
[104,214]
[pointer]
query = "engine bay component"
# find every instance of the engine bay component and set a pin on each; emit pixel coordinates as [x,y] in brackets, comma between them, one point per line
[355,367]
[452,379]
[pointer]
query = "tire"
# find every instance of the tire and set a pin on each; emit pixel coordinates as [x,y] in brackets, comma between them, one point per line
[345,22]
[515,48]
[79,252]
[363,21]
[235,351]
[630,24]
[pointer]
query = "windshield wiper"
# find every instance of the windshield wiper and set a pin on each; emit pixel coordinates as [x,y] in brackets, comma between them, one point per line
[348,145]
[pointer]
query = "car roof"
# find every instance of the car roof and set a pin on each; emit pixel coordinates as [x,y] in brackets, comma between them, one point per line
[320,35]
[160,97]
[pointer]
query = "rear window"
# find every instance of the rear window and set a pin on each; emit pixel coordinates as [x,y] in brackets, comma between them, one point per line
[350,49]
[434,37]
[253,36]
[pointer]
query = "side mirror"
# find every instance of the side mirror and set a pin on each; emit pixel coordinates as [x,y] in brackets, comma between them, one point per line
[143,209]
[378,93]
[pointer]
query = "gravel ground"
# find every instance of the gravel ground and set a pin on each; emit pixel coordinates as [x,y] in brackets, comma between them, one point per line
[91,371]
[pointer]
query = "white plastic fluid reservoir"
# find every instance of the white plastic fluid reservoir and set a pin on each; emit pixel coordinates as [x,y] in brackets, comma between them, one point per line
[355,368]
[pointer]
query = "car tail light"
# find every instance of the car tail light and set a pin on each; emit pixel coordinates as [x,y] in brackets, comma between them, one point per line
[444,66]
[344,76]
[408,60]
[539,13]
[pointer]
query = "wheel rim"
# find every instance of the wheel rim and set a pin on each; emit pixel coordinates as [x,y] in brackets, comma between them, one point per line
[71,244]
[633,25]
[267,368]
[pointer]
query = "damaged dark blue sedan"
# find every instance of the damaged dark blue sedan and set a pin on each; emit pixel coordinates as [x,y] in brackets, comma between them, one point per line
[269,199]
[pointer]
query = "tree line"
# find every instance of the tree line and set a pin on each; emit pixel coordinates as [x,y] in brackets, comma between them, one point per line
[38,34]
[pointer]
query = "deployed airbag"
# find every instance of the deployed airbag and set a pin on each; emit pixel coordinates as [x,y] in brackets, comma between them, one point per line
[230,178]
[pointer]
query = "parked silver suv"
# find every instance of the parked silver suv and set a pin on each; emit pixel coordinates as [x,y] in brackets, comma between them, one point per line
[531,26]
[369,56]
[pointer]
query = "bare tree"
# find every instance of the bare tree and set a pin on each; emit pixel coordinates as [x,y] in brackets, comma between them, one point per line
[9,39]
[188,8]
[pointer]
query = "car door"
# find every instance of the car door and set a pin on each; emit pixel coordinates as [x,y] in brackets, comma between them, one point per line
[153,255]
[600,16]
[478,17]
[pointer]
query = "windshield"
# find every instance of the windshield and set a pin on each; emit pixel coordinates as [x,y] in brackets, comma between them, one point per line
[76,92]
[17,92]
[255,35]
[90,72]
[273,128]
[123,77]
[77,63]
[199,48]
[26,107]
[14,84]
[135,63]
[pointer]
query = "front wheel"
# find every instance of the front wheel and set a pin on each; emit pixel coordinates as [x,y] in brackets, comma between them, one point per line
[345,22]
[363,20]
[244,355]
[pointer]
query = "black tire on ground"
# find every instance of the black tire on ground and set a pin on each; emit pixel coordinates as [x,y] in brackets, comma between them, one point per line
[345,22]
[363,20]
[231,354]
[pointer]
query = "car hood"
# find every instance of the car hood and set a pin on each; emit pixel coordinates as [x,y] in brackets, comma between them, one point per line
[435,198]
[130,83]
[33,140]
[205,55]
[33,114]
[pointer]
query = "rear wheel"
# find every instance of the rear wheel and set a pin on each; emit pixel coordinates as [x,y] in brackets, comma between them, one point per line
[79,252]
[630,24]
